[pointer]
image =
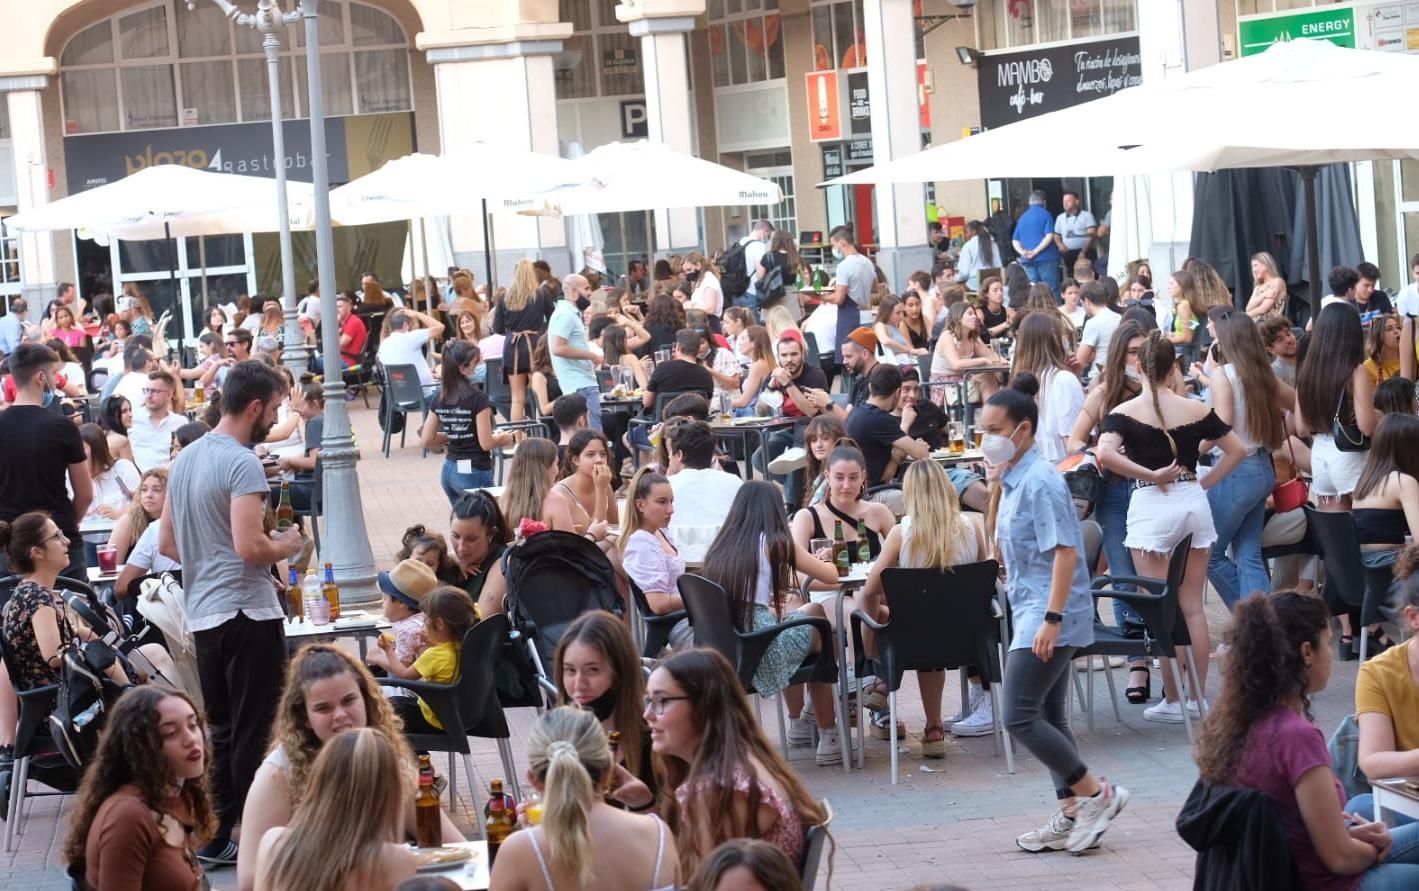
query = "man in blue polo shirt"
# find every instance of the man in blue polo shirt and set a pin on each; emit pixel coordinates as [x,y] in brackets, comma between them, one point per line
[1034,242]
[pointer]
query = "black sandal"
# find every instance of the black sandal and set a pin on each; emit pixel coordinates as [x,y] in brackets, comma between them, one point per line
[1348,653]
[1139,695]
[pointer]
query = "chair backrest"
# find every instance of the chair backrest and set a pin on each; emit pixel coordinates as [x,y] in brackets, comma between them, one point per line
[1093,545]
[404,387]
[657,410]
[711,617]
[923,367]
[477,692]
[814,841]
[497,389]
[603,378]
[942,618]
[889,494]
[810,347]
[1177,572]
[1340,549]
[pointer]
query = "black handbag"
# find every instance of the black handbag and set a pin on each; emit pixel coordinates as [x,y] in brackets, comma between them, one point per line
[1347,437]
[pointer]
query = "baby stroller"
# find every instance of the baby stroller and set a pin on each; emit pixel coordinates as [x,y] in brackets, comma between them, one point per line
[552,577]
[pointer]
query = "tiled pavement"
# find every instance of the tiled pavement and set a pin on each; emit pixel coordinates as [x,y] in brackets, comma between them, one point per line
[951,821]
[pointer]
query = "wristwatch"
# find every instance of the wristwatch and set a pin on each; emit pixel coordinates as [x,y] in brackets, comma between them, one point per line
[1054,618]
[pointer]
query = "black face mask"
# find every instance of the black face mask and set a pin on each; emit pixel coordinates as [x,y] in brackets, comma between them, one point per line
[691,276]
[603,705]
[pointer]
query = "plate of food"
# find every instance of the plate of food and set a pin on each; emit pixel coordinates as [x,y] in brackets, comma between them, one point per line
[427,859]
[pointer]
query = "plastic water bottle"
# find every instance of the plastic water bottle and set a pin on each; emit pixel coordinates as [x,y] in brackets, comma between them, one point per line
[317,609]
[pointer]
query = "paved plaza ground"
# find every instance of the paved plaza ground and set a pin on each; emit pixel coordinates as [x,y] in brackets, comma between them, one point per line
[950,821]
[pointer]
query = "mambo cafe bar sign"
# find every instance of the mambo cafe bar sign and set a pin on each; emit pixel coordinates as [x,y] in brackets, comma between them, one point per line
[1018,85]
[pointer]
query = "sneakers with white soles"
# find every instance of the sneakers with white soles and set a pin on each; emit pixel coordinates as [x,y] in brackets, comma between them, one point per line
[1093,816]
[980,722]
[830,750]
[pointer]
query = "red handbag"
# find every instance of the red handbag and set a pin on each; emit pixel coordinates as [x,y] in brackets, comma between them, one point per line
[1293,493]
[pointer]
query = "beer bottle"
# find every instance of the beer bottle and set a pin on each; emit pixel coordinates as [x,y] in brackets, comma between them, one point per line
[498,823]
[614,738]
[841,559]
[285,514]
[331,592]
[864,552]
[296,611]
[428,817]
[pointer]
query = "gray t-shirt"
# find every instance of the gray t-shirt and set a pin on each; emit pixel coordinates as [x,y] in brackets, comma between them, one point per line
[218,584]
[858,273]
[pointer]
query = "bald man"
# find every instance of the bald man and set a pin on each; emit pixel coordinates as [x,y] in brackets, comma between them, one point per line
[572,359]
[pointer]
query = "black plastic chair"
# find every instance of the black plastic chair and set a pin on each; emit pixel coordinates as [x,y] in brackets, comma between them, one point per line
[34,750]
[814,841]
[932,630]
[403,394]
[500,393]
[360,377]
[656,627]
[467,707]
[1156,601]
[712,621]
[1349,587]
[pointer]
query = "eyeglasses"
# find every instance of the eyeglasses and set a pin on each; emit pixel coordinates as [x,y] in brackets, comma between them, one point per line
[231,342]
[656,704]
[149,391]
[58,534]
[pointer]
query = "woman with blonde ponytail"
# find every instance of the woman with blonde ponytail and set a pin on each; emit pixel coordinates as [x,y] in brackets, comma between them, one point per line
[1155,439]
[582,843]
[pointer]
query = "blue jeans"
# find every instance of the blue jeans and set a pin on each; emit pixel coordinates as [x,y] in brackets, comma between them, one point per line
[593,406]
[1046,271]
[1364,805]
[1111,512]
[455,484]
[1400,869]
[1239,513]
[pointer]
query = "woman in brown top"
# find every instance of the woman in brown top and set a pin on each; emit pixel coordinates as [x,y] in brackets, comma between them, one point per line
[144,806]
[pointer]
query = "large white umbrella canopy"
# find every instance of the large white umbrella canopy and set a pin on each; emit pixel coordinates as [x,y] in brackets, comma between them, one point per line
[641,175]
[452,184]
[1250,112]
[170,199]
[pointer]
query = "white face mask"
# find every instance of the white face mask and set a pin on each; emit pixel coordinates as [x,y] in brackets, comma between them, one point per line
[838,253]
[1132,373]
[999,449]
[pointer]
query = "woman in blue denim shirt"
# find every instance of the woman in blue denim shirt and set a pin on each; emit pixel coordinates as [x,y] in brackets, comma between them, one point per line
[1040,543]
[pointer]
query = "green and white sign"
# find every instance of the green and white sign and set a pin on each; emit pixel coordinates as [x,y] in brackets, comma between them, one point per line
[1336,24]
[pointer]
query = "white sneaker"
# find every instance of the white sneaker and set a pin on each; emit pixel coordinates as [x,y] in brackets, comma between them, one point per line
[800,731]
[1165,712]
[1053,836]
[980,722]
[1093,816]
[789,460]
[830,750]
[977,694]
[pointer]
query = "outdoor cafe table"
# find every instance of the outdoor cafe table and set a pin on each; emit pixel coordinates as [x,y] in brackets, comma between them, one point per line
[1396,796]
[472,874]
[948,458]
[742,429]
[361,626]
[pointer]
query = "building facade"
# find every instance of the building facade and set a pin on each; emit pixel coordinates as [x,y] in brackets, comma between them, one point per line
[796,91]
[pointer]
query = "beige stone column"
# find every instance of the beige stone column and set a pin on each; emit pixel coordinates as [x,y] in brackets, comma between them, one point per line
[495,85]
[662,26]
[26,110]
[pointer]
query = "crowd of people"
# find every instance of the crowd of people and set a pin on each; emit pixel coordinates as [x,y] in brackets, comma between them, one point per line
[1194,404]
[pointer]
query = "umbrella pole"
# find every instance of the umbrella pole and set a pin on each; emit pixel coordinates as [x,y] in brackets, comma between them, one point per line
[428,273]
[487,252]
[1308,178]
[176,291]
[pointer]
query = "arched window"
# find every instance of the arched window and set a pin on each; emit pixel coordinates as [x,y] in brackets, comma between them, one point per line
[165,66]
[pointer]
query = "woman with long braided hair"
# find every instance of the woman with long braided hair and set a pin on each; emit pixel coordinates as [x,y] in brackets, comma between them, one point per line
[1154,439]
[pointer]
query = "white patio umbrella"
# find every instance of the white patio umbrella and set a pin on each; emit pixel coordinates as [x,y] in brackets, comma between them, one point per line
[630,176]
[170,200]
[423,185]
[1250,112]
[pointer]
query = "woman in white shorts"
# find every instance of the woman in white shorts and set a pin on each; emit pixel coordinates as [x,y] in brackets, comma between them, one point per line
[1332,385]
[1154,439]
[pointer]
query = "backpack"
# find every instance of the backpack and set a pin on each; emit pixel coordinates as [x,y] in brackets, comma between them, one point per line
[733,272]
[396,422]
[771,288]
[81,705]
[1085,483]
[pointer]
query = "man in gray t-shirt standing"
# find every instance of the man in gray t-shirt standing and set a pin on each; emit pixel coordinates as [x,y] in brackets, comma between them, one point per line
[213,525]
[856,276]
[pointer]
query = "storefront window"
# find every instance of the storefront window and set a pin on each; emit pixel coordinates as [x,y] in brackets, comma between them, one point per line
[1015,23]
[746,43]
[216,73]
[9,268]
[838,40]
[601,58]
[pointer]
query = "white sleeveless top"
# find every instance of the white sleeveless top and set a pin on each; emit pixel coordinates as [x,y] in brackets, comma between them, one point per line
[1239,410]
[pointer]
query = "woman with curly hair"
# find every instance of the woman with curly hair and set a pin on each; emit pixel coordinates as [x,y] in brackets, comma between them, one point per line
[143,807]
[720,778]
[343,833]
[326,692]
[1260,735]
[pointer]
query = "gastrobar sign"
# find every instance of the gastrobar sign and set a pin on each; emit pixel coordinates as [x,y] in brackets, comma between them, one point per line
[1019,85]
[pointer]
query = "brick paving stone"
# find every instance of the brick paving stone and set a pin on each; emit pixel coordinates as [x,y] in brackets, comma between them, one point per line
[956,823]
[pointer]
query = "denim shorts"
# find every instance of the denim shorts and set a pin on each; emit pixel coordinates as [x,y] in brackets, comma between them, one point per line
[1158,519]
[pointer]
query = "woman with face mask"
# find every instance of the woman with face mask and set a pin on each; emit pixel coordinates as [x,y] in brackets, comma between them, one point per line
[707,295]
[1039,538]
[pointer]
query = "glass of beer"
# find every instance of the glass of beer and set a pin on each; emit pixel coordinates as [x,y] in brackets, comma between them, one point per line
[726,408]
[958,439]
[979,435]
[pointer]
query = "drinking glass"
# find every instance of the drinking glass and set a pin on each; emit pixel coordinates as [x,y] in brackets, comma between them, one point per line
[616,379]
[822,548]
